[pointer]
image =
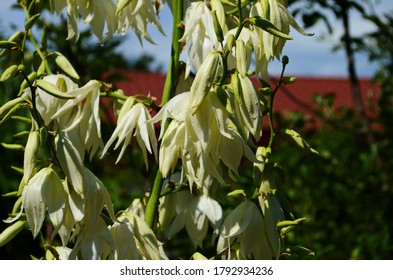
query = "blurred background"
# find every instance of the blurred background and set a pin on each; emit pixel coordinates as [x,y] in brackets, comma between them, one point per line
[341,103]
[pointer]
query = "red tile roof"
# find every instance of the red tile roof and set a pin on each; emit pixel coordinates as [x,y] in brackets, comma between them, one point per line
[296,97]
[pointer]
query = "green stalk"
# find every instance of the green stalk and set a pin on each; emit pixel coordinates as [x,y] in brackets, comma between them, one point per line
[169,90]
[271,102]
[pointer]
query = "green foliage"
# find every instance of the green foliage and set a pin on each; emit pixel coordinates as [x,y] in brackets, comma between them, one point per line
[346,207]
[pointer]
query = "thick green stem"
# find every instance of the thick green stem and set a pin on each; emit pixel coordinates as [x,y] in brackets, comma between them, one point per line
[169,90]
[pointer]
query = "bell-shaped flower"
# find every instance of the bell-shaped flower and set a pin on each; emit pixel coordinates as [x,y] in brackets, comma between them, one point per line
[243,234]
[134,239]
[134,121]
[248,106]
[271,210]
[82,113]
[136,14]
[199,35]
[47,104]
[91,242]
[194,212]
[98,13]
[44,191]
[203,140]
[71,156]
[92,234]
[267,46]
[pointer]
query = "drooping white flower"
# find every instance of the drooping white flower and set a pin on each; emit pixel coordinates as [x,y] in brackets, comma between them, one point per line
[43,192]
[266,45]
[98,13]
[136,14]
[92,233]
[47,104]
[82,113]
[134,120]
[199,35]
[243,234]
[204,141]
[194,212]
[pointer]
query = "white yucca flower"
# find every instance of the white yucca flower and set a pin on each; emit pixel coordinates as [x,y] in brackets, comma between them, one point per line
[98,13]
[80,113]
[91,233]
[243,234]
[47,104]
[136,14]
[199,35]
[134,240]
[204,141]
[267,46]
[134,121]
[194,212]
[43,192]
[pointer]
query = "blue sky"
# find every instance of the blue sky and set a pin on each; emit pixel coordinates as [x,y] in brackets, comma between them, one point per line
[309,56]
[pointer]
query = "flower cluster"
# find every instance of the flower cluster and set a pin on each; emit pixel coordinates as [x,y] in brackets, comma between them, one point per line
[106,18]
[207,130]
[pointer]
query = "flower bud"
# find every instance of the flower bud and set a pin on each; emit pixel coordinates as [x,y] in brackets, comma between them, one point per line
[241,58]
[52,89]
[9,73]
[30,22]
[217,28]
[204,79]
[65,65]
[10,232]
[30,158]
[7,44]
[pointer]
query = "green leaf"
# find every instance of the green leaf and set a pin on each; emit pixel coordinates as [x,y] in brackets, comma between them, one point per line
[237,192]
[299,140]
[290,223]
[267,26]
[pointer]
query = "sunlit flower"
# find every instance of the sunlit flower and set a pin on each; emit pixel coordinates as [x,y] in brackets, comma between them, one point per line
[134,121]
[82,113]
[136,14]
[204,141]
[267,46]
[98,13]
[199,35]
[47,104]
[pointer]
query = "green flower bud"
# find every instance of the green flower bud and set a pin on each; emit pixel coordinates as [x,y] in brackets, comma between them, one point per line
[10,232]
[52,89]
[204,79]
[30,22]
[217,28]
[65,65]
[9,73]
[241,55]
